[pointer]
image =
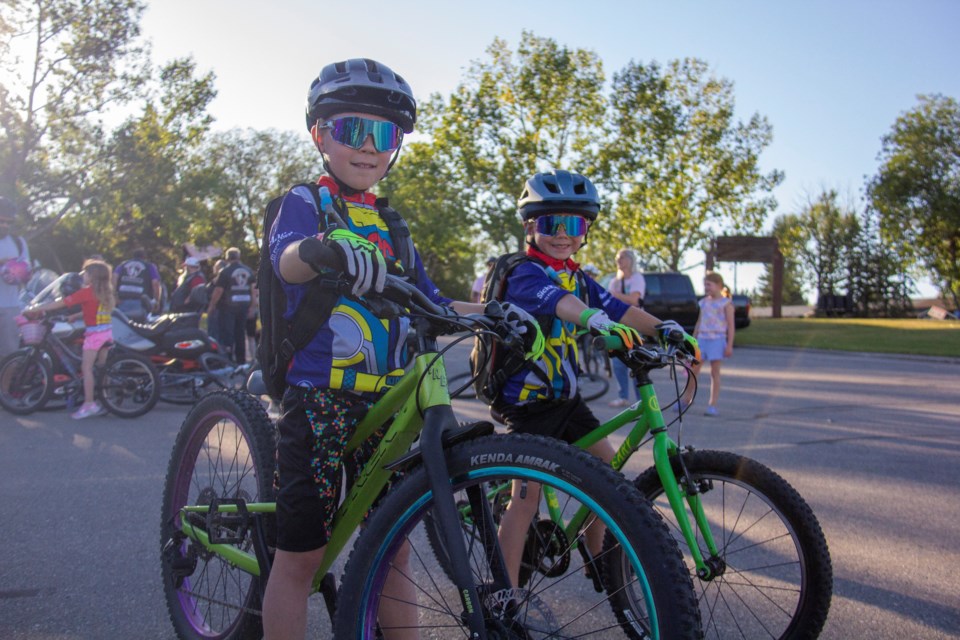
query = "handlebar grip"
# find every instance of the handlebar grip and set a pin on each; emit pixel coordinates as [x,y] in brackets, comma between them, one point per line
[314,252]
[607,343]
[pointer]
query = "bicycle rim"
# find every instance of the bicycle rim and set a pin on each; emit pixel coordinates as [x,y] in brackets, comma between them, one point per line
[223,450]
[25,382]
[556,604]
[777,582]
[129,386]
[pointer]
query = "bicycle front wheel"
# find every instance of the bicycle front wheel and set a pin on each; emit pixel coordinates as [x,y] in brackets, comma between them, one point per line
[224,450]
[556,604]
[26,381]
[778,579]
[129,385]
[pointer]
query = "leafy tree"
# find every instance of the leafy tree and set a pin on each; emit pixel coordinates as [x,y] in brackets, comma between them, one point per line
[64,62]
[876,272]
[515,114]
[248,168]
[821,236]
[676,162]
[423,189]
[917,188]
[151,182]
[787,232]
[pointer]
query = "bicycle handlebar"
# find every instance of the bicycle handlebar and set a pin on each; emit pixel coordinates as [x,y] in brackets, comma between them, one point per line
[646,354]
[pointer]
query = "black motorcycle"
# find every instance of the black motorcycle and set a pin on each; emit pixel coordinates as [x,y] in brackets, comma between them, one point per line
[189,361]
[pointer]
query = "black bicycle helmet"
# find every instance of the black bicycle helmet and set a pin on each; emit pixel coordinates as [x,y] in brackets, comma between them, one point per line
[558,192]
[363,85]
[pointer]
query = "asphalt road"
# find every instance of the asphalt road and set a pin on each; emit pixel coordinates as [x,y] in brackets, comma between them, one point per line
[872,443]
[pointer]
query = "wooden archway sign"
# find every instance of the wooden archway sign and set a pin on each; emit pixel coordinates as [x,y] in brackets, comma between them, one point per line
[751,249]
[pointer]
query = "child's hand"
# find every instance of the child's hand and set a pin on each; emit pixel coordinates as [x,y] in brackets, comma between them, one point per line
[671,332]
[527,326]
[32,313]
[598,322]
[362,261]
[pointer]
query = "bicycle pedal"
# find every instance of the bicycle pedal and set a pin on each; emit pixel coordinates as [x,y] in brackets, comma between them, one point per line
[225,527]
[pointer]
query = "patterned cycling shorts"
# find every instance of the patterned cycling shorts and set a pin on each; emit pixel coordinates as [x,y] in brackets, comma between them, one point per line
[314,430]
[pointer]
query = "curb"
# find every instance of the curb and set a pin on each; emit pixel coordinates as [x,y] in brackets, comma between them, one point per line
[860,354]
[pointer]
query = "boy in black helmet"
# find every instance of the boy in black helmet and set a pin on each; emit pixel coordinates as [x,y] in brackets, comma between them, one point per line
[556,210]
[357,113]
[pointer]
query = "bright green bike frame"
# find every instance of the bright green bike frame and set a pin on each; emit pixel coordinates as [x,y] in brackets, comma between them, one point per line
[405,402]
[648,420]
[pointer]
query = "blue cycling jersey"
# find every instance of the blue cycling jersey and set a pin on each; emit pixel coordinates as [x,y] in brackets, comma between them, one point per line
[354,349]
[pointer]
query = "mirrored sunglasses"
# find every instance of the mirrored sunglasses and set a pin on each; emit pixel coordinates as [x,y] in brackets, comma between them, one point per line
[352,131]
[571,225]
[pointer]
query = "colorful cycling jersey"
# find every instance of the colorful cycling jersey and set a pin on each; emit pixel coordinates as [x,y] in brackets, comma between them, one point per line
[354,349]
[537,287]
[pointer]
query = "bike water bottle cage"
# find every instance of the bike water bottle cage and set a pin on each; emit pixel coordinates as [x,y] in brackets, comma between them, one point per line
[352,131]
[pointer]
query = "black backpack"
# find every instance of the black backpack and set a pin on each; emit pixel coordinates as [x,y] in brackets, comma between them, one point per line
[281,338]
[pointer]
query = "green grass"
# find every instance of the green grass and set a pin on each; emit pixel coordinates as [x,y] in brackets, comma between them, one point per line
[915,337]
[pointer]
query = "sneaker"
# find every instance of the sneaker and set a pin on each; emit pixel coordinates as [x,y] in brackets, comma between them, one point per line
[620,402]
[87,411]
[711,411]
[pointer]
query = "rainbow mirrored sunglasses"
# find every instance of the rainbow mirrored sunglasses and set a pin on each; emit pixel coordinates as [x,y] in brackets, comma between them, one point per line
[572,225]
[352,131]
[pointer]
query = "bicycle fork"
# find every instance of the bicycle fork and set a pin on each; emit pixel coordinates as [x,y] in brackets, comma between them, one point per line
[437,420]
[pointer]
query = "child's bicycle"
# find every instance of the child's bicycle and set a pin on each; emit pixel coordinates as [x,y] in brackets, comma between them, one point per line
[217,517]
[758,557]
[47,369]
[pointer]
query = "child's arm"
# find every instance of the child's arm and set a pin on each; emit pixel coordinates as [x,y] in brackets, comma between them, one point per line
[40,309]
[731,328]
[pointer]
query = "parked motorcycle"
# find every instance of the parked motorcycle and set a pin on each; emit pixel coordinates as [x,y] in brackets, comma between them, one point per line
[189,361]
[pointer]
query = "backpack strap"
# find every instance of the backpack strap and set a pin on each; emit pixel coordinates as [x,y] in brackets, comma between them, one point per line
[400,237]
[317,303]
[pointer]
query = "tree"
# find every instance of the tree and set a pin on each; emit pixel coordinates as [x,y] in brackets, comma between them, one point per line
[917,188]
[821,237]
[424,189]
[67,61]
[515,114]
[876,272]
[786,231]
[677,164]
[249,168]
[151,182]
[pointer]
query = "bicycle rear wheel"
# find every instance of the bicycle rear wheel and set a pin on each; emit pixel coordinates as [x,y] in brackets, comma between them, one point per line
[224,450]
[26,381]
[128,385]
[778,579]
[592,385]
[554,605]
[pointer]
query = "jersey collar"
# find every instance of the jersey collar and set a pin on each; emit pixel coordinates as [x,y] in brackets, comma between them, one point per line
[365,197]
[558,265]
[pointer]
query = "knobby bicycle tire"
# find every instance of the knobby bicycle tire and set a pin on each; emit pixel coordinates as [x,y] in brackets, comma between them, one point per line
[224,449]
[778,580]
[128,385]
[558,607]
[26,381]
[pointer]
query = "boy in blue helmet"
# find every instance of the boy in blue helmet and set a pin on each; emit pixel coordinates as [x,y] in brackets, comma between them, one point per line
[557,209]
[357,113]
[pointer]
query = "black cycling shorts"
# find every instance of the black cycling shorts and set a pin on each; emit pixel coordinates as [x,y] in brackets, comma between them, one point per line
[314,430]
[567,420]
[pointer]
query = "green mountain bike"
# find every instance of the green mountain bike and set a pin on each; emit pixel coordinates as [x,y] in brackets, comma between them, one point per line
[217,517]
[754,549]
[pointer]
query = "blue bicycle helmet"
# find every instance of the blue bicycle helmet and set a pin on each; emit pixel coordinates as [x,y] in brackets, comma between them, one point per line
[558,192]
[362,85]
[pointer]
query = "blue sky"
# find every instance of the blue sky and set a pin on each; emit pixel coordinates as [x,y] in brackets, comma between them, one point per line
[831,77]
